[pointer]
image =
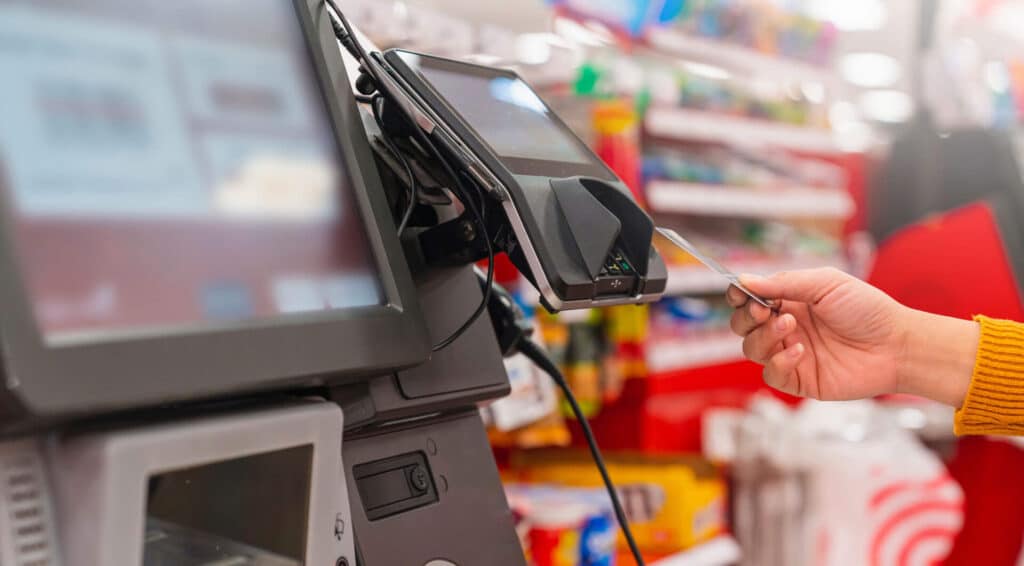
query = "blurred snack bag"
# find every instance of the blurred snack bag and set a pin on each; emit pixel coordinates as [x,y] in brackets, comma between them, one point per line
[835,484]
[528,416]
[618,142]
[562,526]
[532,398]
[673,502]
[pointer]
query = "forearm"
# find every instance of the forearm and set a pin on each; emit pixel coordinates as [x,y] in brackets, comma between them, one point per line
[994,403]
[976,366]
[939,357]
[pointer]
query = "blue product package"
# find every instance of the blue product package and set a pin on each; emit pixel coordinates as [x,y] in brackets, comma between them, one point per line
[597,541]
[686,308]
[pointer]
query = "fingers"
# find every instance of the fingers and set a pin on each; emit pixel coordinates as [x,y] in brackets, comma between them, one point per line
[805,286]
[764,341]
[764,336]
[780,371]
[735,297]
[745,319]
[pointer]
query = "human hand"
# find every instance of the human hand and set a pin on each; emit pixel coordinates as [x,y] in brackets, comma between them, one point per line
[834,337]
[837,338]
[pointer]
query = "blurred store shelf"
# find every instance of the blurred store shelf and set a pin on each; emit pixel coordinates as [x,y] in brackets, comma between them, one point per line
[674,354]
[696,279]
[684,124]
[719,551]
[737,57]
[723,200]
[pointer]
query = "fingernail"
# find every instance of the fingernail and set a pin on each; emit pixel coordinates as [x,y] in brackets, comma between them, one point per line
[782,323]
[796,351]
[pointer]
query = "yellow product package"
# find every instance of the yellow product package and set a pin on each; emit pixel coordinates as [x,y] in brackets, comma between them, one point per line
[673,502]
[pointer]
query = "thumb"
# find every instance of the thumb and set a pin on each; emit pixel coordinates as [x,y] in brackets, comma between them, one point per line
[804,286]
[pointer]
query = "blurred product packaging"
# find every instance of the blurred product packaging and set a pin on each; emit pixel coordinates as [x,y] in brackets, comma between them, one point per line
[561,526]
[833,484]
[673,502]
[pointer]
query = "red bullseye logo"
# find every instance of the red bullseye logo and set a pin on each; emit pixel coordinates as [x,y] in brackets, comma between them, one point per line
[915,523]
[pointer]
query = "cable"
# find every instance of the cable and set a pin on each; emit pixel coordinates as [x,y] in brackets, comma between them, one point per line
[488,286]
[479,215]
[408,211]
[413,187]
[540,357]
[413,197]
[347,37]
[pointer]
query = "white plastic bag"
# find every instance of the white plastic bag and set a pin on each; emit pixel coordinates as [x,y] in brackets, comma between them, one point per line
[836,484]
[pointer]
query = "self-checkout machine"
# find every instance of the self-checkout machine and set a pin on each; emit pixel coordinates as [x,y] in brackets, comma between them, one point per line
[214,348]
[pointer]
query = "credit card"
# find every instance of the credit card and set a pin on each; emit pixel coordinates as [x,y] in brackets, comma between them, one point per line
[731,277]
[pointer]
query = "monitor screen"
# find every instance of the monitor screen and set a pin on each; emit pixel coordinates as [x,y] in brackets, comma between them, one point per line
[503,109]
[246,511]
[170,165]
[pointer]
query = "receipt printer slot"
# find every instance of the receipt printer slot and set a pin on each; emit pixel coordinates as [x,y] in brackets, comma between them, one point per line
[394,485]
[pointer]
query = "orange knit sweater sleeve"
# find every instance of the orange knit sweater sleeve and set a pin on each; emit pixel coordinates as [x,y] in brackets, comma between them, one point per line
[995,399]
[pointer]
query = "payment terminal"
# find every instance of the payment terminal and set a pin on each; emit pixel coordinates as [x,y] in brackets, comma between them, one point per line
[577,233]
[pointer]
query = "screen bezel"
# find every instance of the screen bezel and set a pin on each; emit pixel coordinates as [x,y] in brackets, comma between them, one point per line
[104,472]
[517,165]
[220,359]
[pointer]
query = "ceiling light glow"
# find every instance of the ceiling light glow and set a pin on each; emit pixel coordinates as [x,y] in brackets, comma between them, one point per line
[870,70]
[892,106]
[533,49]
[579,33]
[706,71]
[850,15]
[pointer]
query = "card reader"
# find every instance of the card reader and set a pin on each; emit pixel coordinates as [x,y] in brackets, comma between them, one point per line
[575,230]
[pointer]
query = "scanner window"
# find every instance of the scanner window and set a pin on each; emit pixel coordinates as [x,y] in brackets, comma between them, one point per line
[248,511]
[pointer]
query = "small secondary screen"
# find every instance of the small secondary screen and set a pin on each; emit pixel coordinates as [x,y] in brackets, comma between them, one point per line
[169,165]
[251,511]
[503,109]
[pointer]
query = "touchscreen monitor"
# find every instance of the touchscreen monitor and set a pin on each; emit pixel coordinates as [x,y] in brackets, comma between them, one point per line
[189,208]
[171,164]
[508,115]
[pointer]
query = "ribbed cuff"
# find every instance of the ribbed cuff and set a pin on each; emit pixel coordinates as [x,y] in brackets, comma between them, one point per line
[995,399]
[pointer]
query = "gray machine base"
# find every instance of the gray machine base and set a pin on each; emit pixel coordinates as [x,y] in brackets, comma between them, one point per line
[470,523]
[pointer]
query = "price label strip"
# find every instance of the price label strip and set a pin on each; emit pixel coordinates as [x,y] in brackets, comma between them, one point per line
[686,246]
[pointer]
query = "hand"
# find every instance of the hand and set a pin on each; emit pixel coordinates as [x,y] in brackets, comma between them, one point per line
[838,338]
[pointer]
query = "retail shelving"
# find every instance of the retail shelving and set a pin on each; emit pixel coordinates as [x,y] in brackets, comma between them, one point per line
[718,551]
[673,354]
[697,125]
[721,200]
[697,279]
[735,57]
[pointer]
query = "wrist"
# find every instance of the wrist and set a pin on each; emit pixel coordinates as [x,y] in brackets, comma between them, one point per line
[938,355]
